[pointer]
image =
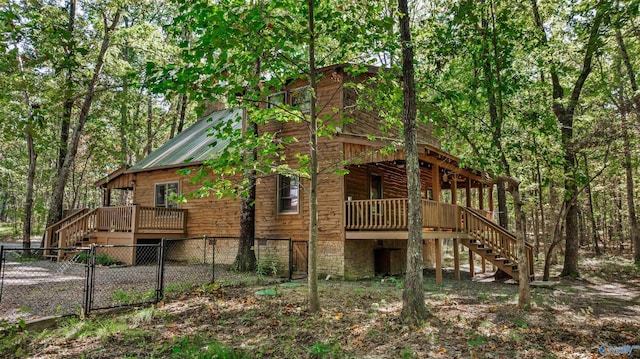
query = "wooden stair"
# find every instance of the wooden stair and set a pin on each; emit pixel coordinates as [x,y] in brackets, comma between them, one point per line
[494,243]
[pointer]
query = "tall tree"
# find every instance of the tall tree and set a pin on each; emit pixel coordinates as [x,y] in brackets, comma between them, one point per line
[413,307]
[564,107]
[110,22]
[628,166]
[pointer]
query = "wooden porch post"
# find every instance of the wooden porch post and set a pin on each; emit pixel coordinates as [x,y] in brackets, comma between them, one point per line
[468,191]
[472,272]
[491,199]
[106,197]
[481,196]
[436,186]
[135,219]
[438,261]
[456,259]
[484,265]
[454,190]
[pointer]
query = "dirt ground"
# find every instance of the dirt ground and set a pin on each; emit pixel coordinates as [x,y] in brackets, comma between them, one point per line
[595,316]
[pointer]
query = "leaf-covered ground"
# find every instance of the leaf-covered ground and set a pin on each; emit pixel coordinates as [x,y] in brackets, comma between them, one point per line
[360,320]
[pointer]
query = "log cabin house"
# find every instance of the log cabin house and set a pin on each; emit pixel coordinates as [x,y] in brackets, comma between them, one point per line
[362,215]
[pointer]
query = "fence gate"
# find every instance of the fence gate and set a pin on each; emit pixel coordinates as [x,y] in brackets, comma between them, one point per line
[123,275]
[300,258]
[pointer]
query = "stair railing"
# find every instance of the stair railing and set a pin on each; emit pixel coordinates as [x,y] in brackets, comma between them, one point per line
[51,237]
[495,237]
[72,232]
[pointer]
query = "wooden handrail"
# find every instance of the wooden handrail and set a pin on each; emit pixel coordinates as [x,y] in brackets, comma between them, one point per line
[51,238]
[495,237]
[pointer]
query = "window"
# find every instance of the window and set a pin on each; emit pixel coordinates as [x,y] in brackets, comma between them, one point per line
[276,99]
[301,97]
[288,188]
[163,192]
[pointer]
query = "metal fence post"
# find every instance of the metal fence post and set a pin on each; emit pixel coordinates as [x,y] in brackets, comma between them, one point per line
[1,270]
[89,281]
[213,260]
[160,278]
[290,259]
[204,250]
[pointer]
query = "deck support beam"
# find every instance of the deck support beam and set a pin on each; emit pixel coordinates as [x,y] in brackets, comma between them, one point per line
[438,246]
[481,197]
[472,272]
[456,259]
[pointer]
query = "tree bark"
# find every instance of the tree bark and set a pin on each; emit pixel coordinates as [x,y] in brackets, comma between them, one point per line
[413,306]
[246,258]
[55,208]
[314,300]
[149,146]
[28,203]
[183,113]
[524,292]
[67,107]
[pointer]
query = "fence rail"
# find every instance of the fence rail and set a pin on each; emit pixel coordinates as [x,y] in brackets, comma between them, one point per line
[98,277]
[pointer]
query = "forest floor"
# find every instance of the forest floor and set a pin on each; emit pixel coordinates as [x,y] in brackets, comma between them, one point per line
[594,316]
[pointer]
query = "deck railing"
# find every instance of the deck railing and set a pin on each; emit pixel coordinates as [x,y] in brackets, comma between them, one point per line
[154,218]
[119,219]
[391,214]
[115,219]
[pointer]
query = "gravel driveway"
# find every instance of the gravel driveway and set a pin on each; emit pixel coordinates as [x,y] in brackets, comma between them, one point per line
[34,289]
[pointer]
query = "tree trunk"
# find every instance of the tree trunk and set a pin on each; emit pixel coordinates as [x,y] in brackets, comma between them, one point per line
[28,203]
[524,293]
[149,146]
[543,222]
[592,219]
[633,219]
[174,123]
[413,306]
[616,226]
[67,108]
[183,113]
[314,300]
[55,208]
[564,110]
[246,258]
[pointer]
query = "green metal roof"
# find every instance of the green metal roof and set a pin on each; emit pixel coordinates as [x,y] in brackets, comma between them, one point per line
[193,145]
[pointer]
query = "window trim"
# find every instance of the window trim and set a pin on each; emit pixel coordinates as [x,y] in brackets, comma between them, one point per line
[166,184]
[279,198]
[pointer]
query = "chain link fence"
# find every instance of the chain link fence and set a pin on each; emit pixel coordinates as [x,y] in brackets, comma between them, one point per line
[39,284]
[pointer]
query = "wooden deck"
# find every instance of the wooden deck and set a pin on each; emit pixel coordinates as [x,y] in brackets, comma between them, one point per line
[387,219]
[132,220]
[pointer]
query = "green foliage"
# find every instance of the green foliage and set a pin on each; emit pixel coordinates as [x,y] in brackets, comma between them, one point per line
[11,340]
[324,350]
[199,347]
[124,297]
[103,259]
